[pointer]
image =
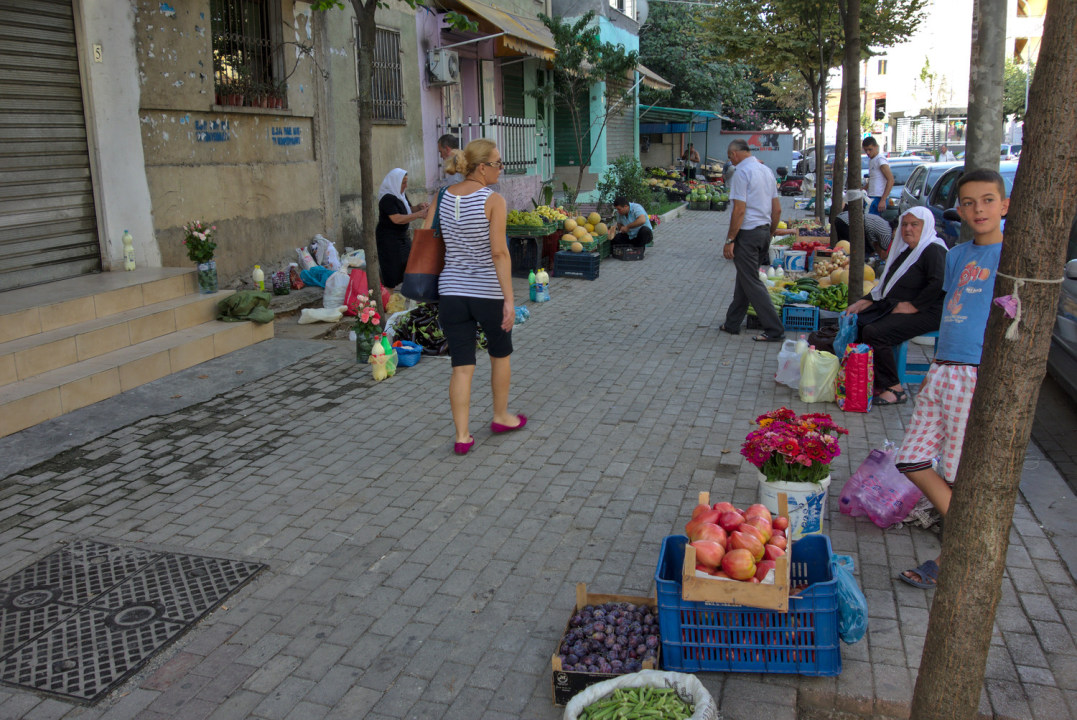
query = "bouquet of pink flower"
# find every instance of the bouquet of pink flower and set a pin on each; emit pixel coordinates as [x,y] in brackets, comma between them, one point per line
[367,318]
[792,448]
[198,237]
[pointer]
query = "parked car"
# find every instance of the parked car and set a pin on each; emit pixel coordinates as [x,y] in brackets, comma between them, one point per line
[943,197]
[917,188]
[1062,358]
[1008,152]
[918,152]
[807,162]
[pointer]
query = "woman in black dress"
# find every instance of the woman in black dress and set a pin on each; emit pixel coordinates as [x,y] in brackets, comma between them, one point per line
[394,216]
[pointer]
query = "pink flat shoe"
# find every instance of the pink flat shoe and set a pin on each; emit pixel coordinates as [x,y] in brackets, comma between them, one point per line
[499,428]
[462,448]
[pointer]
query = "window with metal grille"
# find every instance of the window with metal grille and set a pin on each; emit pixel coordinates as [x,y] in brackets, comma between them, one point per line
[387,81]
[247,68]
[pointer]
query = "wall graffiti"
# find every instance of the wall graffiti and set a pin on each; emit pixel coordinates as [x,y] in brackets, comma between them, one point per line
[286,135]
[211,131]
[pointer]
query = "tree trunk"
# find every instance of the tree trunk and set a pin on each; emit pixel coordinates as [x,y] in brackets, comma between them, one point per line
[986,73]
[837,196]
[364,13]
[852,111]
[978,523]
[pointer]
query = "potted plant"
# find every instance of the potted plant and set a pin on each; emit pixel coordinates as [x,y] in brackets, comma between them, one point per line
[198,239]
[793,455]
[367,326]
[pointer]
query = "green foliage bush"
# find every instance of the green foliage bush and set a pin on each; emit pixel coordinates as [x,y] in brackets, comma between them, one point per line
[624,177]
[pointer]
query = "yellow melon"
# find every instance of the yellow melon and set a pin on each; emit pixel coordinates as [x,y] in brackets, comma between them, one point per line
[580,233]
[845,276]
[835,277]
[581,220]
[577,246]
[869,272]
[824,281]
[843,245]
[594,218]
[601,229]
[868,286]
[570,225]
[589,227]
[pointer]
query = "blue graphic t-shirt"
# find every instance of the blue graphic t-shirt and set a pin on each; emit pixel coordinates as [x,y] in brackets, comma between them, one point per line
[970,286]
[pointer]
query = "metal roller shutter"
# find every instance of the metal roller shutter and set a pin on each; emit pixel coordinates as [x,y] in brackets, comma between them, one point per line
[621,129]
[48,227]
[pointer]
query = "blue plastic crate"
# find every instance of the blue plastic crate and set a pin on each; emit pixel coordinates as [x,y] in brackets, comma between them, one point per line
[800,318]
[579,265]
[702,636]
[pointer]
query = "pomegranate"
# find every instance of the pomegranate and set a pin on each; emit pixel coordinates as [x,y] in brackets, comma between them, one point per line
[781,523]
[778,541]
[741,540]
[738,564]
[723,507]
[710,531]
[708,553]
[705,513]
[730,521]
[761,569]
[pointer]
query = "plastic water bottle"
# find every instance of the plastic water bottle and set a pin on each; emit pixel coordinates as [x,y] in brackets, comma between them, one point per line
[259,277]
[802,345]
[531,278]
[128,251]
[542,277]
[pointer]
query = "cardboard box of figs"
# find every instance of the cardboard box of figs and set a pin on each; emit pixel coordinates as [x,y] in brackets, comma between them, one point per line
[567,682]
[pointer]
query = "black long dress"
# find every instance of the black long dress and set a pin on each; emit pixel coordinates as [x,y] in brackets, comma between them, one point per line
[394,244]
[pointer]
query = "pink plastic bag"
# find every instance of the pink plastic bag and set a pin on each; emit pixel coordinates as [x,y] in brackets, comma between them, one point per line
[879,491]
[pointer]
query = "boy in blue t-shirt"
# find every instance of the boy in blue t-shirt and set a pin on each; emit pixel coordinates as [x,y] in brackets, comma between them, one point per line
[942,405]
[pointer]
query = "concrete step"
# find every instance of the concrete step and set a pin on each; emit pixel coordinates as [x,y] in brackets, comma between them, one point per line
[25,403]
[42,352]
[44,308]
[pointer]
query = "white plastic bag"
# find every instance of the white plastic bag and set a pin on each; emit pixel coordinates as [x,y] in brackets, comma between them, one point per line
[688,687]
[305,259]
[354,258]
[332,259]
[818,370]
[313,315]
[788,365]
[336,287]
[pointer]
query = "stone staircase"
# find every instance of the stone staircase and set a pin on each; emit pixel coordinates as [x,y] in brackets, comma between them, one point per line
[68,344]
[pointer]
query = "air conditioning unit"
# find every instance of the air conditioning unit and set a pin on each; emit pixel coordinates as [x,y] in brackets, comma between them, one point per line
[443,67]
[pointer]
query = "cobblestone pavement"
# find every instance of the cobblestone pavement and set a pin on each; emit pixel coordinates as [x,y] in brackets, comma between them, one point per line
[407,582]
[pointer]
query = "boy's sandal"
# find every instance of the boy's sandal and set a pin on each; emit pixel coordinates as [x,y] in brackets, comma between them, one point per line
[928,572]
[900,398]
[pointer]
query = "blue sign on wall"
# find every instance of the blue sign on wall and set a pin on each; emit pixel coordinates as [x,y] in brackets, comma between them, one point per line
[211,131]
[286,135]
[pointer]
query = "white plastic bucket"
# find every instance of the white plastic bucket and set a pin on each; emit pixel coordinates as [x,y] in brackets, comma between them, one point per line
[795,260]
[807,503]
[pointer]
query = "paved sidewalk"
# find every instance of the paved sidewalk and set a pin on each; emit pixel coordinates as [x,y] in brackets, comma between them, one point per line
[406,582]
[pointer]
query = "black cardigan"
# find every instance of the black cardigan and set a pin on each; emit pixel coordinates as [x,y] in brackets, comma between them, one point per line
[921,284]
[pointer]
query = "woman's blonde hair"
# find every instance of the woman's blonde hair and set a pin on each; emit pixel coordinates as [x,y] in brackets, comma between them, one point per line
[476,153]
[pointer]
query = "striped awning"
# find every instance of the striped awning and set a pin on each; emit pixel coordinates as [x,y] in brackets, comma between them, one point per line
[523,35]
[653,80]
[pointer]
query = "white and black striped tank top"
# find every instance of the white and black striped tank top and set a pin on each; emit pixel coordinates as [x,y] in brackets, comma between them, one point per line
[469,266]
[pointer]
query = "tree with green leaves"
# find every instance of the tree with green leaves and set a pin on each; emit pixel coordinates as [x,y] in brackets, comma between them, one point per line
[364,14]
[673,44]
[1016,79]
[582,65]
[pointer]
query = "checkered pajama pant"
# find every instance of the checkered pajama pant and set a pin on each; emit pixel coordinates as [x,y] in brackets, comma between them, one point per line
[938,423]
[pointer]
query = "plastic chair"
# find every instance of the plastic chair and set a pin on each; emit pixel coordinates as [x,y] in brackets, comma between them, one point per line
[909,373]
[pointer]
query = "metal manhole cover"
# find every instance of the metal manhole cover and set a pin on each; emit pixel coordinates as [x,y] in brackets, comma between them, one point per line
[85,618]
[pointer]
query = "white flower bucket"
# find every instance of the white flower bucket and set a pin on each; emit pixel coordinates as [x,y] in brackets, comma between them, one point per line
[807,503]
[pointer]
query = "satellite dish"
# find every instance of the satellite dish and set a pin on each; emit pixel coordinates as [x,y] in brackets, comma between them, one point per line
[641,11]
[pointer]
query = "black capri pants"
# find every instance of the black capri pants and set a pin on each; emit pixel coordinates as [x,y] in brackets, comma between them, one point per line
[461,315]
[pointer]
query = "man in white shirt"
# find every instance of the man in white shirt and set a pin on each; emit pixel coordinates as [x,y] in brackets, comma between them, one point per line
[945,155]
[880,179]
[756,212]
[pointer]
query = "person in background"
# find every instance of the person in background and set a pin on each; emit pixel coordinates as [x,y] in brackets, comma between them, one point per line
[632,226]
[937,428]
[394,215]
[877,232]
[906,302]
[476,288]
[945,155]
[754,219]
[880,179]
[448,145]
[691,161]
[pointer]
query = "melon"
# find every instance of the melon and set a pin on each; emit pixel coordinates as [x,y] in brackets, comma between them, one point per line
[824,281]
[843,245]
[581,220]
[868,286]
[601,229]
[570,225]
[579,232]
[577,246]
[594,218]
[869,272]
[844,276]
[589,227]
[835,277]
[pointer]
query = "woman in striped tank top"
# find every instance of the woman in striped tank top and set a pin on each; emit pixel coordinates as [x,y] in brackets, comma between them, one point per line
[476,286]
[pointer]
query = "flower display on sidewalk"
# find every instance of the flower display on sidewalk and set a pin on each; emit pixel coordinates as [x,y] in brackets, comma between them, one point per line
[198,240]
[791,448]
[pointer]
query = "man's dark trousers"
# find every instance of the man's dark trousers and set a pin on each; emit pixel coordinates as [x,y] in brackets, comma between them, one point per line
[749,253]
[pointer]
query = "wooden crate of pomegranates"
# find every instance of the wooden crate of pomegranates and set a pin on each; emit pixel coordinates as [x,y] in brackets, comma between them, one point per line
[737,557]
[607,636]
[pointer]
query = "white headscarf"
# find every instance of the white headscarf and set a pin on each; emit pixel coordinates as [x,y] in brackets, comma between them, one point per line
[391,186]
[898,246]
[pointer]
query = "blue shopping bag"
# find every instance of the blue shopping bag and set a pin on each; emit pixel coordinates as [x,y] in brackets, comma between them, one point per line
[846,333]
